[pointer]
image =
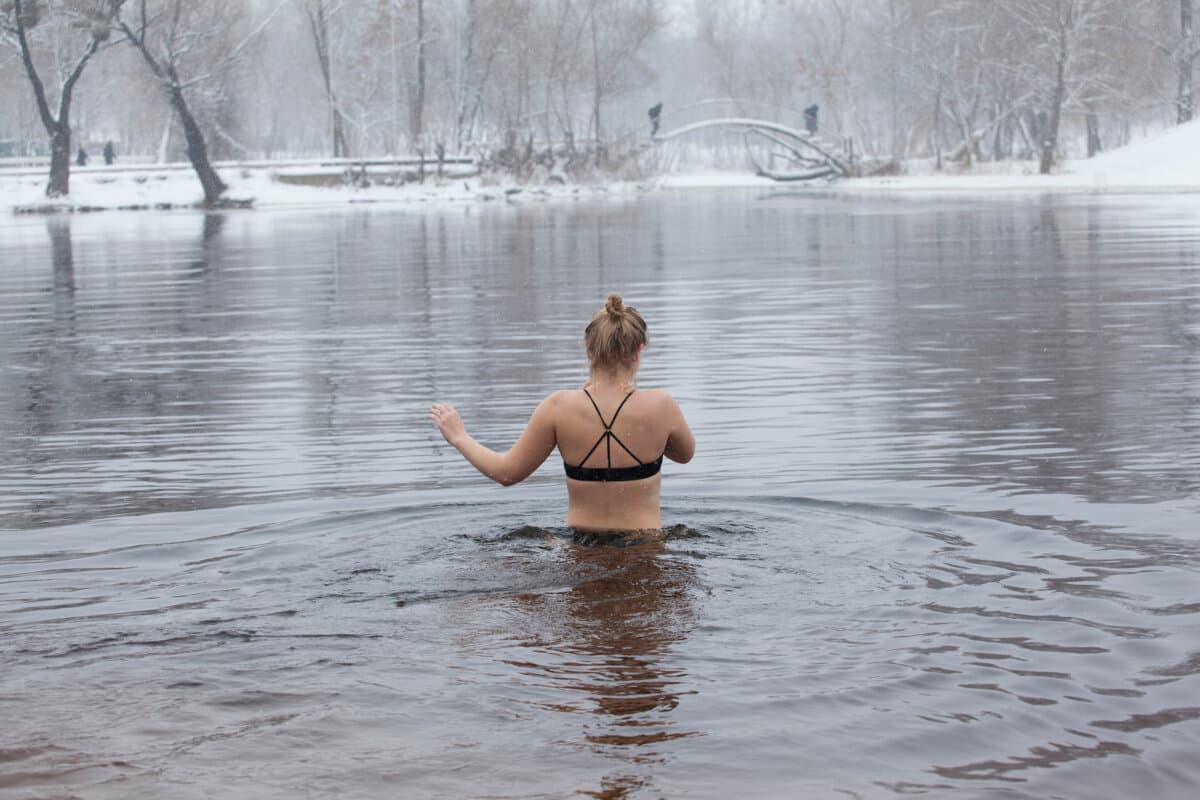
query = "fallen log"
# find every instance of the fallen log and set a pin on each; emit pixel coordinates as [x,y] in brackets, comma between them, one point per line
[804,175]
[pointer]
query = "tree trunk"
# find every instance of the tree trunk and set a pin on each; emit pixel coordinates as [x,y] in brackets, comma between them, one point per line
[466,66]
[1027,127]
[197,150]
[1183,98]
[340,148]
[59,183]
[1049,136]
[937,128]
[418,107]
[1093,132]
[60,161]
[318,20]
[597,88]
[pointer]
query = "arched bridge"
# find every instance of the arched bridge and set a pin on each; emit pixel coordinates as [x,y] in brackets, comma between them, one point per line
[794,152]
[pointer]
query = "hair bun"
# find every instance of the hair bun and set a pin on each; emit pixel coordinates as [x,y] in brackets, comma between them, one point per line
[615,305]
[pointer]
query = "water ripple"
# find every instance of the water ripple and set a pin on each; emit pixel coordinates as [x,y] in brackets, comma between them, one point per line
[939,536]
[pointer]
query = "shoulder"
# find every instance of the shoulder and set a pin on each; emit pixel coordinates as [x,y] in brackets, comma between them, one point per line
[660,399]
[659,395]
[555,401]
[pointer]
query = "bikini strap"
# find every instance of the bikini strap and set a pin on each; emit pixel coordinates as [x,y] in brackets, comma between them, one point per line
[608,435]
[608,425]
[598,414]
[613,421]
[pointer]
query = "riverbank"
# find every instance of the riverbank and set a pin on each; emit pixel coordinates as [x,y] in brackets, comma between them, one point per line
[1165,162]
[172,186]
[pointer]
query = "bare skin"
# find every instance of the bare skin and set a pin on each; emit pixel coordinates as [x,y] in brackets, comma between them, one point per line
[650,423]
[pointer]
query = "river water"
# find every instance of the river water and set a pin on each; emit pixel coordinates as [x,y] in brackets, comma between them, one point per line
[940,537]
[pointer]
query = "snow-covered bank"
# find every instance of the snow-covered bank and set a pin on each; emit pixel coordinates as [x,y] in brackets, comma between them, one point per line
[1169,161]
[1166,162]
[173,186]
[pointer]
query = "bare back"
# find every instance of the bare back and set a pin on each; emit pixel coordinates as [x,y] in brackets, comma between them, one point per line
[648,426]
[612,444]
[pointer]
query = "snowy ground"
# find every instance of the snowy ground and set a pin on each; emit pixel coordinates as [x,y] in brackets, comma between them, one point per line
[1167,162]
[176,186]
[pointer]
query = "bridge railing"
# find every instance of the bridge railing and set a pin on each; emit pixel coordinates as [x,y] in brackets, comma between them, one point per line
[728,107]
[678,117]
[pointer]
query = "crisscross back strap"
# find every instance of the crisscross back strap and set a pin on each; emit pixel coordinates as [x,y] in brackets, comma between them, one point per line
[608,437]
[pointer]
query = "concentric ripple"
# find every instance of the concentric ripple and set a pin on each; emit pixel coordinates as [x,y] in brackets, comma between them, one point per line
[439,646]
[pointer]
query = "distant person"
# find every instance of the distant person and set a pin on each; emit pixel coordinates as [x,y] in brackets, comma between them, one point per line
[110,155]
[810,118]
[81,157]
[612,437]
[655,118]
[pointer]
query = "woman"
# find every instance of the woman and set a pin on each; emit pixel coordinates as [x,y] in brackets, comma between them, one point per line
[612,438]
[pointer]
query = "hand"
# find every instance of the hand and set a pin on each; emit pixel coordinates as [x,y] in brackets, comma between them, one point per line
[448,422]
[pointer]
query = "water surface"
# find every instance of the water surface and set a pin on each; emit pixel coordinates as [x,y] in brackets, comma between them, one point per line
[939,537]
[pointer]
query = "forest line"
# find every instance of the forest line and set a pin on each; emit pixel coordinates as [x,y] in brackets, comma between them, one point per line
[951,81]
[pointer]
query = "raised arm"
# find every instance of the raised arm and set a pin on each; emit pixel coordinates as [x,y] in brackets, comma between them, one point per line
[532,448]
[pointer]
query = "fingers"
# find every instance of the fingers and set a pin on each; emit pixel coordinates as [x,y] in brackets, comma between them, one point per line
[441,413]
[445,417]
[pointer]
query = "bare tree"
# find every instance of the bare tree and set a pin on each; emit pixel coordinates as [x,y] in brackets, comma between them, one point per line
[1064,37]
[755,54]
[560,30]
[473,69]
[417,113]
[966,79]
[94,19]
[1185,59]
[618,31]
[162,54]
[176,35]
[319,13]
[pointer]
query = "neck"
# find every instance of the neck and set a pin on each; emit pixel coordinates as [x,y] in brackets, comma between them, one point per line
[618,376]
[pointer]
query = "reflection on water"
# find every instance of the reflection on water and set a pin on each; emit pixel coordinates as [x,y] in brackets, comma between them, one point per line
[942,514]
[783,647]
[601,651]
[914,348]
[611,631]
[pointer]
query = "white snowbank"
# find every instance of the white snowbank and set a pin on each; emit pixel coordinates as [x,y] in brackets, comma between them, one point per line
[176,186]
[1169,161]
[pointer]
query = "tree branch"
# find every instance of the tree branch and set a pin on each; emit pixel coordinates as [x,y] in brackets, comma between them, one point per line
[39,89]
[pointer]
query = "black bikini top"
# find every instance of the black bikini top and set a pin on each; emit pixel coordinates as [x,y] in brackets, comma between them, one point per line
[611,473]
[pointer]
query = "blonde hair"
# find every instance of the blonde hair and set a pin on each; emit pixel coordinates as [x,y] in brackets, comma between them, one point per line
[615,335]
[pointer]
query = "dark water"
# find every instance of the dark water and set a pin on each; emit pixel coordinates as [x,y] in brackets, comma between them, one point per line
[940,537]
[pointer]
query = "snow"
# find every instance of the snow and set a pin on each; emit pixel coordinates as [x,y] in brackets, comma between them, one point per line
[1169,160]
[176,186]
[712,179]
[1166,162]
